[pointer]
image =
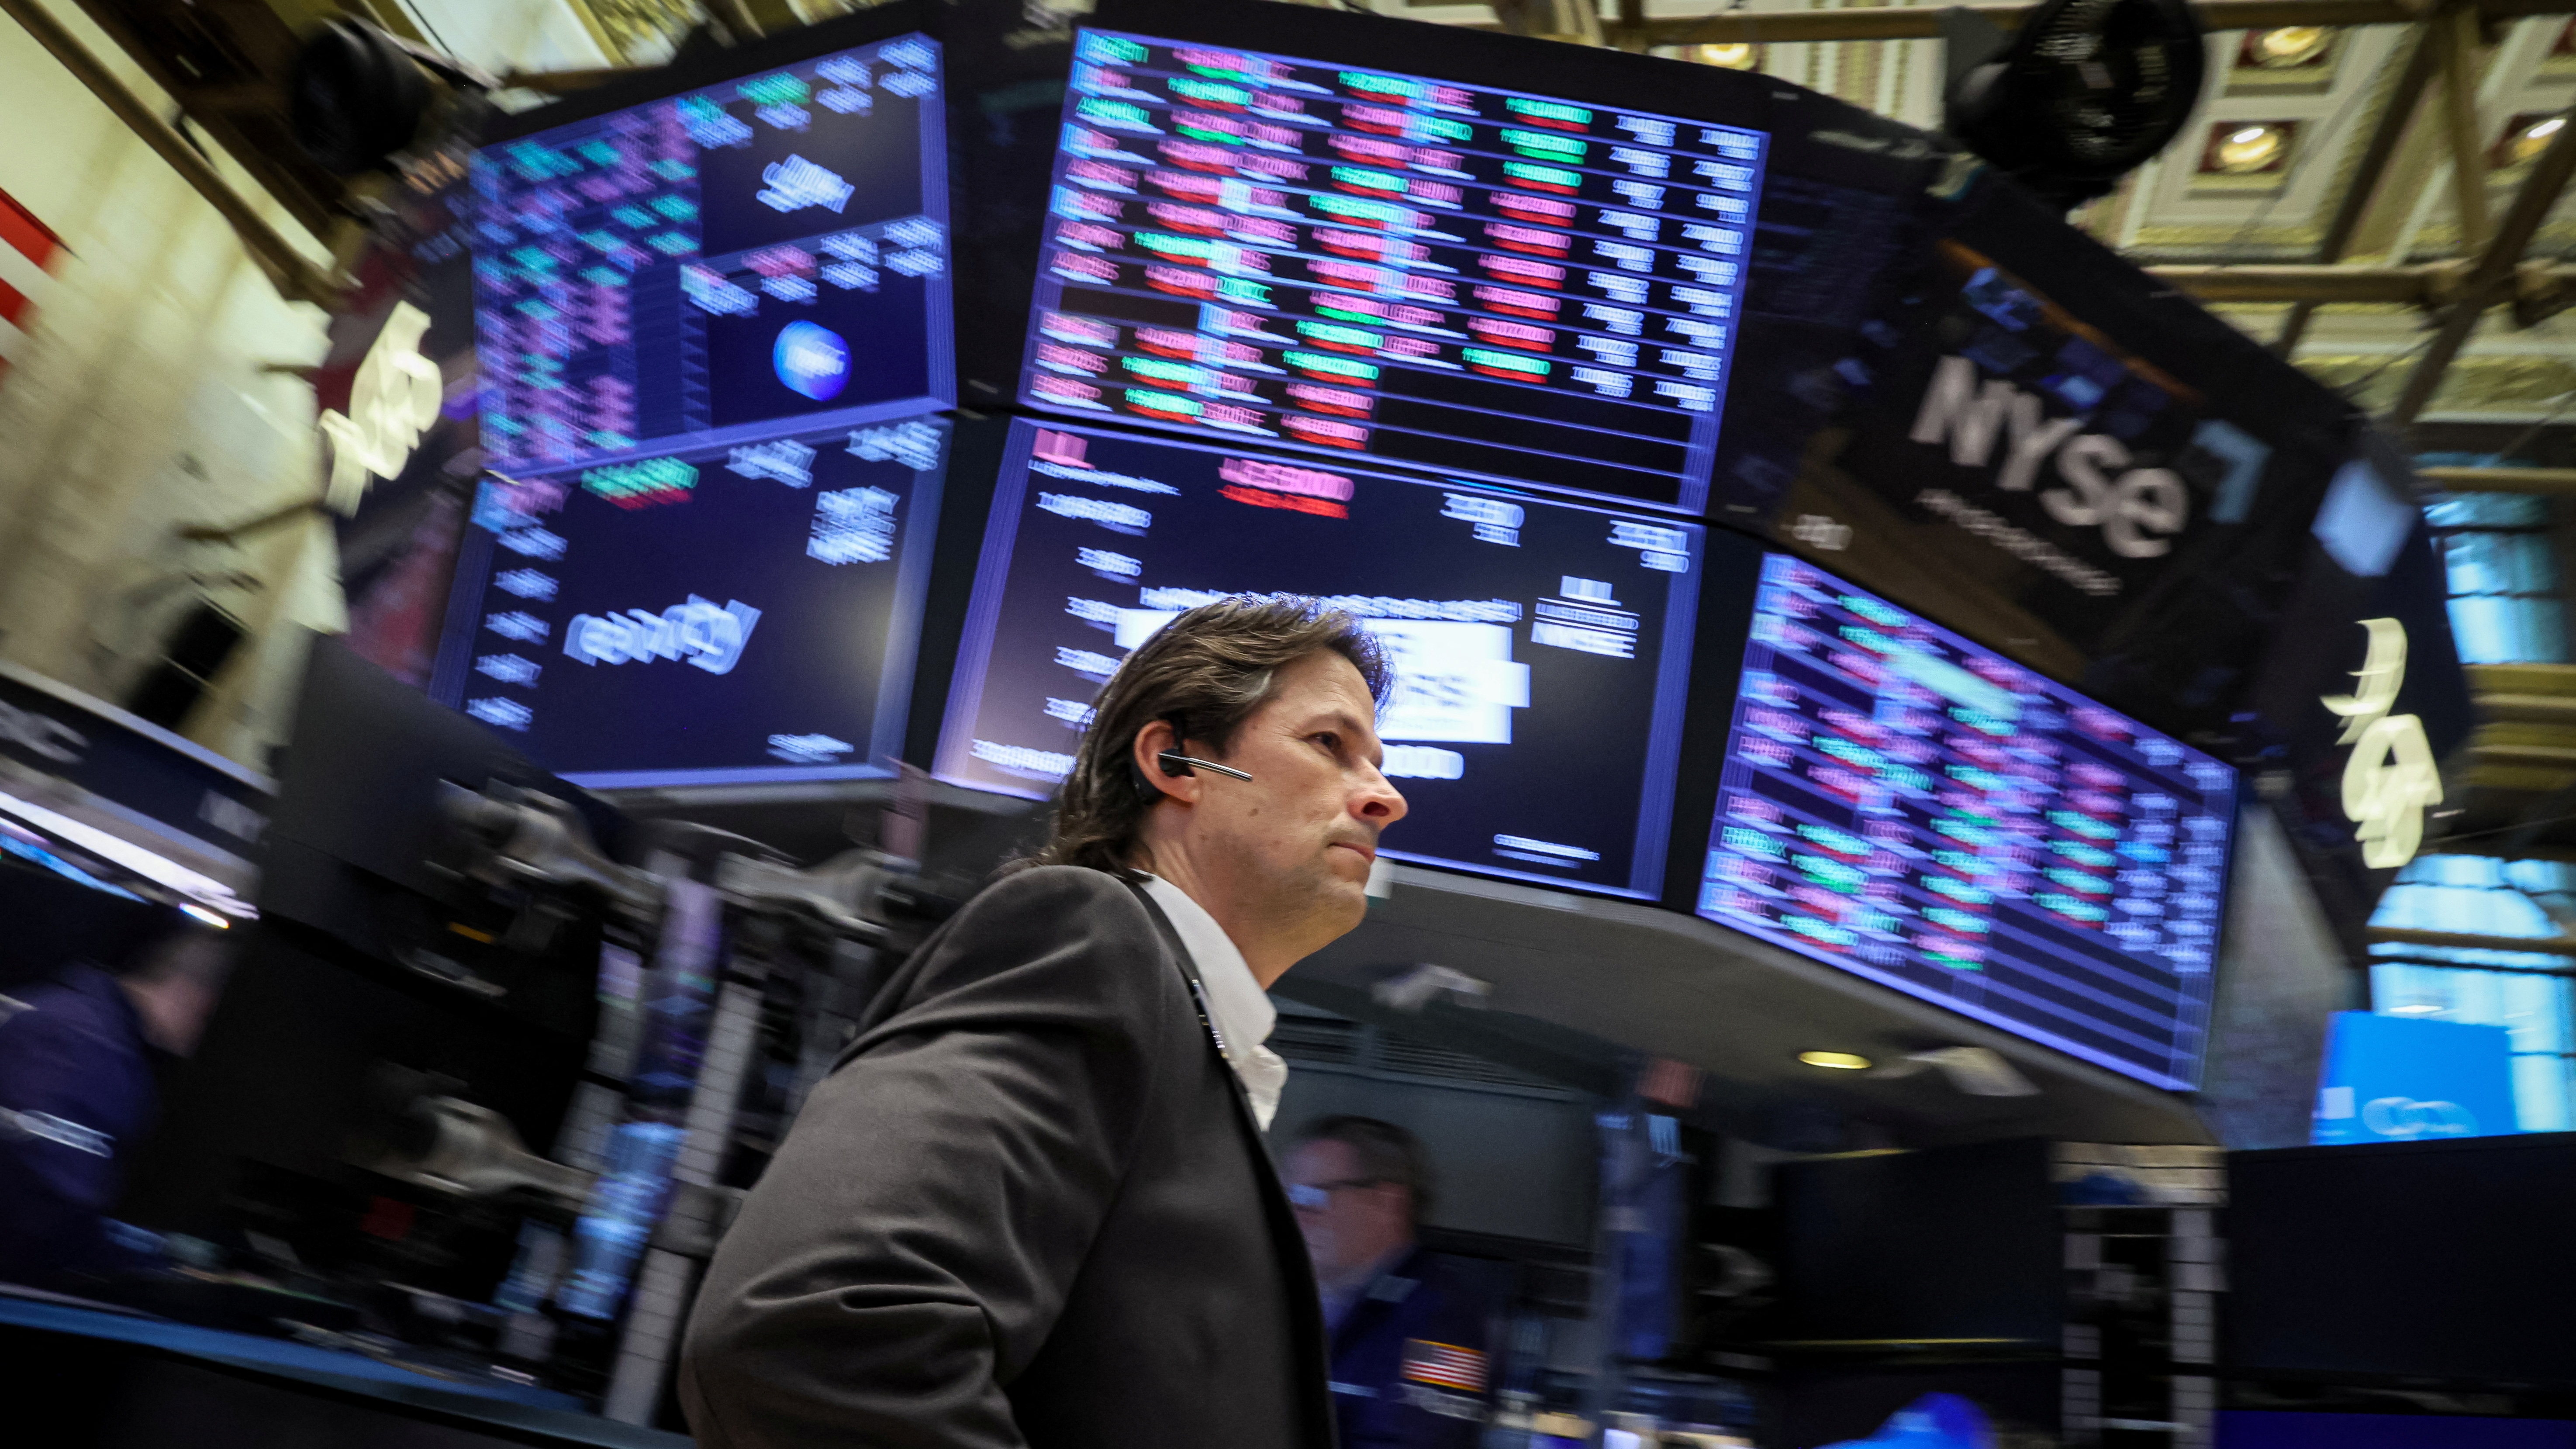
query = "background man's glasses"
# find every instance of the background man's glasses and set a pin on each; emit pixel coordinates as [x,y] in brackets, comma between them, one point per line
[1317,1196]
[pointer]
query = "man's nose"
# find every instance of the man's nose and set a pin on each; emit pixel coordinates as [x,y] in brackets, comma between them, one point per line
[1379,802]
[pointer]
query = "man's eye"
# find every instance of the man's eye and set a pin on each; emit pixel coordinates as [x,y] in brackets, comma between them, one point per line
[1330,741]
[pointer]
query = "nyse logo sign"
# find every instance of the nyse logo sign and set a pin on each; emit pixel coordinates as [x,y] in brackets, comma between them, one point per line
[2390,777]
[2136,509]
[708,637]
[393,400]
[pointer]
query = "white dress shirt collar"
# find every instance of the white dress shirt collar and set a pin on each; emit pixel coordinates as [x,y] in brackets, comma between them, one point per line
[1240,1008]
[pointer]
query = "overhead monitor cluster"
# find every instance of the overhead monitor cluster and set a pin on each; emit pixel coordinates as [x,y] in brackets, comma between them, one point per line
[1451,356]
[715,337]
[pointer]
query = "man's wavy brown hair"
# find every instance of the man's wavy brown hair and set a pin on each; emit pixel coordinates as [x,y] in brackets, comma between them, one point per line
[1206,672]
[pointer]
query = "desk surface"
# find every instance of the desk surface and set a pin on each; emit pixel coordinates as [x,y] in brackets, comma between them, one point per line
[400,1391]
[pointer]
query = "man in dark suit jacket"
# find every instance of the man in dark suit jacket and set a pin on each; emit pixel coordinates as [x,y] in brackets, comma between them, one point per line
[77,1096]
[1031,1206]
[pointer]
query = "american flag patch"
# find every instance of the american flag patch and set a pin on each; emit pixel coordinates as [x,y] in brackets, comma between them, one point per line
[1444,1364]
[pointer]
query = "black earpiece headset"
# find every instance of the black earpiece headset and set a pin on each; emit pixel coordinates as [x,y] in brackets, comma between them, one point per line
[1176,764]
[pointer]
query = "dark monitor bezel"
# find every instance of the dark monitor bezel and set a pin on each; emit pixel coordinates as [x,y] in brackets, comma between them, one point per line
[695,70]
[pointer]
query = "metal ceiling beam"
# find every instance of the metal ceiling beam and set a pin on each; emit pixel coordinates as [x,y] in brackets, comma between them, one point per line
[2537,757]
[2454,39]
[2463,941]
[2551,679]
[2494,271]
[2530,708]
[2300,282]
[2555,482]
[2398,110]
[565,82]
[297,277]
[2488,847]
[1924,22]
[2430,284]
[2454,964]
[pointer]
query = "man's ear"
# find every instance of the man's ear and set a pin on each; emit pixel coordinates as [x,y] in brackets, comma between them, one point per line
[1150,742]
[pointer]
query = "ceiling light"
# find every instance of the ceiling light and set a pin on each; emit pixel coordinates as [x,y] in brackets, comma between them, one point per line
[2415,1008]
[1837,1061]
[1739,55]
[2288,46]
[200,913]
[2249,149]
[2525,138]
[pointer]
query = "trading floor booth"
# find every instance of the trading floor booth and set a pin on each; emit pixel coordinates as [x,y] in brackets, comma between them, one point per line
[1858,647]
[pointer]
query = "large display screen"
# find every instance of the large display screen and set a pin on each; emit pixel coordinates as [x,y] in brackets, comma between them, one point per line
[1540,648]
[1498,285]
[716,267]
[1921,811]
[740,614]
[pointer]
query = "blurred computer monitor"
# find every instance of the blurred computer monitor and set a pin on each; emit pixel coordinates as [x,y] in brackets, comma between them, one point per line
[2436,1262]
[369,956]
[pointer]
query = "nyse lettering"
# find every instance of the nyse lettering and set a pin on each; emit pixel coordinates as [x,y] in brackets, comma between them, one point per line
[2134,507]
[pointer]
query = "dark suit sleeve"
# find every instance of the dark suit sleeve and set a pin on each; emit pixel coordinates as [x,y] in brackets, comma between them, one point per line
[59,1164]
[909,1248]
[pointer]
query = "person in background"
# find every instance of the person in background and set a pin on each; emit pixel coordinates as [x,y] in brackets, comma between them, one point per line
[77,1095]
[1410,1367]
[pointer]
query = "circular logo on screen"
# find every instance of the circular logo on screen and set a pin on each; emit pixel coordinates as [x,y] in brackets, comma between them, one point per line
[812,360]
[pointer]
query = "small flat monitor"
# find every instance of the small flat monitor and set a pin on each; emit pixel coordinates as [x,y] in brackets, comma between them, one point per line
[706,616]
[1282,252]
[1540,647]
[717,267]
[1921,811]
[2476,1300]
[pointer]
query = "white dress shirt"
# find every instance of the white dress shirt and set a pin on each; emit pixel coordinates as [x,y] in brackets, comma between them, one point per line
[1239,1007]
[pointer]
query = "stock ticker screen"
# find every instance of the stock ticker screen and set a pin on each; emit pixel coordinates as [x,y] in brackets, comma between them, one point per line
[729,615]
[1495,285]
[1540,647]
[1903,804]
[761,256]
